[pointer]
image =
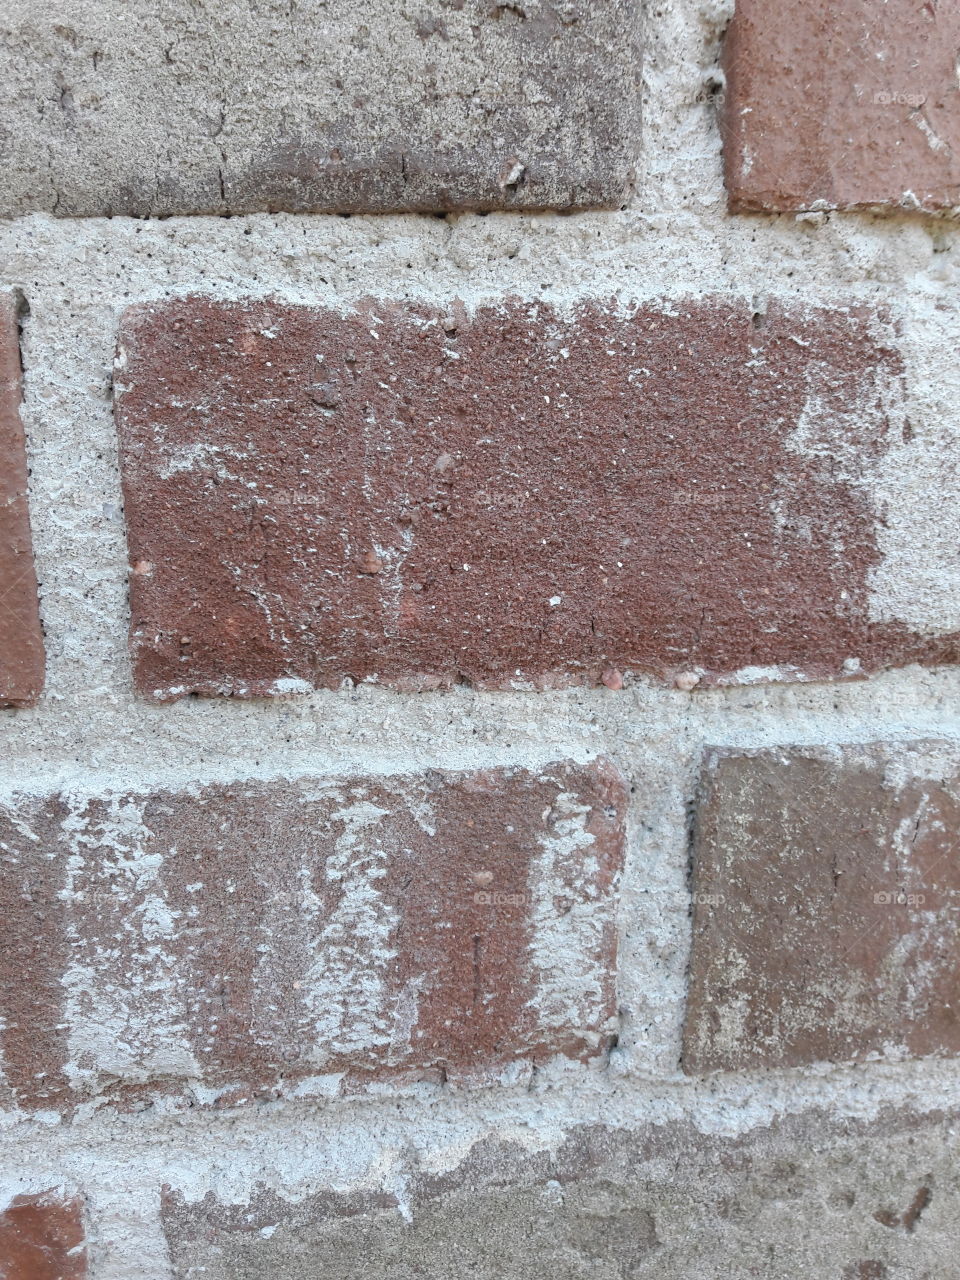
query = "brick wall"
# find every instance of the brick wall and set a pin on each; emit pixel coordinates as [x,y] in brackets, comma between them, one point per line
[481,774]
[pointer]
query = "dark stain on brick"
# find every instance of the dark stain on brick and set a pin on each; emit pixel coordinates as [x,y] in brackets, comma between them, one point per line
[909,1218]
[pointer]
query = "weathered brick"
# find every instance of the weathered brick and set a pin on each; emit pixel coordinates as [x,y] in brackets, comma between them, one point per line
[241,935]
[42,1238]
[808,1195]
[420,497]
[842,104]
[121,107]
[21,639]
[826,889]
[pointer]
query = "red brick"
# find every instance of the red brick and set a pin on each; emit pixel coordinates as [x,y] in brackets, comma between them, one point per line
[21,639]
[826,888]
[520,495]
[842,104]
[42,1238]
[240,935]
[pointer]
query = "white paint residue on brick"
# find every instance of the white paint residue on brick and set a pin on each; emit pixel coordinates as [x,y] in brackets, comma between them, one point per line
[568,914]
[203,454]
[348,978]
[917,581]
[122,999]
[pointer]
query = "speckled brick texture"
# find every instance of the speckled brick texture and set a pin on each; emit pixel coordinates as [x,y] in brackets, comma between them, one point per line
[842,105]
[511,497]
[128,107]
[826,886]
[21,637]
[442,926]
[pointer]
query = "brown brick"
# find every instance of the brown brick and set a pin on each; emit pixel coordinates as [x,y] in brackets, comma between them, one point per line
[410,496]
[42,1238]
[416,926]
[34,955]
[794,1198]
[21,639]
[826,889]
[842,104]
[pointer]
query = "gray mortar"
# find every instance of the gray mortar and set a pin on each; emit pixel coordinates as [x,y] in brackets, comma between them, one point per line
[674,240]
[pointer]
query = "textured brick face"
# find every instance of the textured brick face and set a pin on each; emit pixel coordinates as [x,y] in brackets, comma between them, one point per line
[440,924]
[41,1238]
[21,640]
[808,1195]
[421,497]
[826,887]
[842,103]
[130,107]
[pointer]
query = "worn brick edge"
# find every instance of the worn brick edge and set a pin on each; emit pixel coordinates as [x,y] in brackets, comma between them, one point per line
[25,677]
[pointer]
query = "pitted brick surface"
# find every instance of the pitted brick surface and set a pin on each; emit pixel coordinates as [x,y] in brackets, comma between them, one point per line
[21,638]
[517,496]
[147,109]
[842,104]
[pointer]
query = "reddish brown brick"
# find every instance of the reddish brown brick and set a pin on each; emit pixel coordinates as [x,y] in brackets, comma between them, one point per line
[842,104]
[826,889]
[42,1238]
[33,958]
[241,935]
[402,495]
[21,639]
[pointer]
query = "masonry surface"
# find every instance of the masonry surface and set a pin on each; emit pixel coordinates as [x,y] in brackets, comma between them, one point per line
[320,105]
[479,787]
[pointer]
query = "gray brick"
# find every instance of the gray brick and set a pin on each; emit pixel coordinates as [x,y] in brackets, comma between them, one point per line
[129,107]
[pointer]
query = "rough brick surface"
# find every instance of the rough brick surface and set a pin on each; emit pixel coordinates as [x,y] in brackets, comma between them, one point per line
[826,890]
[842,104]
[21,639]
[421,497]
[434,925]
[808,1196]
[42,1238]
[129,107]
